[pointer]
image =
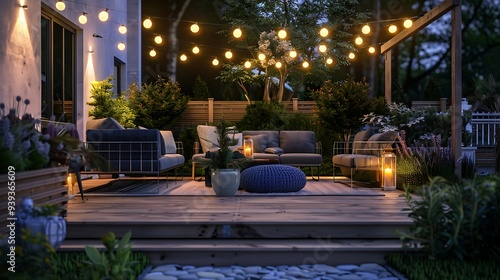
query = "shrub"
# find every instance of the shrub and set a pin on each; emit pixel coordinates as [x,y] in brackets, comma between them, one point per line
[263,116]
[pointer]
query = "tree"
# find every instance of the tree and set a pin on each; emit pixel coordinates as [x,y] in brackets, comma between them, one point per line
[200,89]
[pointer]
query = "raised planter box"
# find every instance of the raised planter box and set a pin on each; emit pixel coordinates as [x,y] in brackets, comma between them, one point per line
[44,186]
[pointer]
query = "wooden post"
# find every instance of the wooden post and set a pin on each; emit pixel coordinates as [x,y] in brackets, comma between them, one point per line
[388,76]
[443,103]
[295,104]
[456,87]
[210,110]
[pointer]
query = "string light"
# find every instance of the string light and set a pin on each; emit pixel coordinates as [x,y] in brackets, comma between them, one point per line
[261,56]
[292,54]
[215,62]
[158,39]
[358,41]
[248,64]
[183,57]
[82,18]
[393,28]
[407,23]
[329,60]
[237,33]
[147,23]
[196,50]
[104,15]
[305,64]
[121,46]
[323,32]
[122,29]
[282,34]
[352,55]
[60,5]
[322,48]
[278,64]
[371,50]
[228,54]
[152,53]
[195,28]
[366,29]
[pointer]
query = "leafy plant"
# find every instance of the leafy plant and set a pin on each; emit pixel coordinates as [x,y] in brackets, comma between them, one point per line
[263,116]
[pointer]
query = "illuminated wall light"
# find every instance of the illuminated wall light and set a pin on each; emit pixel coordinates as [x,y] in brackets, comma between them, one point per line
[261,56]
[408,23]
[278,64]
[195,28]
[215,62]
[237,33]
[393,28]
[104,15]
[358,41]
[158,39]
[305,64]
[121,46]
[152,53]
[293,54]
[82,18]
[282,34]
[248,64]
[183,57]
[329,60]
[122,29]
[60,5]
[352,55]
[322,48]
[323,32]
[366,29]
[147,23]
[196,50]
[228,55]
[371,50]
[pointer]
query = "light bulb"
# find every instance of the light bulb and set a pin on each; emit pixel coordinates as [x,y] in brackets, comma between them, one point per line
[228,54]
[393,28]
[183,57]
[196,50]
[329,61]
[152,53]
[293,54]
[371,50]
[282,34]
[305,64]
[261,56]
[104,16]
[215,62]
[248,64]
[121,46]
[82,18]
[358,41]
[147,23]
[278,64]
[352,55]
[158,39]
[323,32]
[195,28]
[122,29]
[408,23]
[366,29]
[237,33]
[60,5]
[322,48]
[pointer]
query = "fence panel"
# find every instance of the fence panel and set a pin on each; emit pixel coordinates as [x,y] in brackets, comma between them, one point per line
[484,128]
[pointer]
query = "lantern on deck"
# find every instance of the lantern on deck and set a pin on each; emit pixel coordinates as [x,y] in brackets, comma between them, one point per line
[389,170]
[248,147]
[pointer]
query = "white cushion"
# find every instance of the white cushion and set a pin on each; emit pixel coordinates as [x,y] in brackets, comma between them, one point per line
[208,138]
[168,139]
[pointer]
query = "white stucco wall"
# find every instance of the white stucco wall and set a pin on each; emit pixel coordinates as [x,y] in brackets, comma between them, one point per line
[21,41]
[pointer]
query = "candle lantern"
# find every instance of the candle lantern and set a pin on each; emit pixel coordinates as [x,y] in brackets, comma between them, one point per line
[389,170]
[248,147]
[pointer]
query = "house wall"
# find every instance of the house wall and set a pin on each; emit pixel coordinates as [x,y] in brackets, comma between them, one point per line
[21,48]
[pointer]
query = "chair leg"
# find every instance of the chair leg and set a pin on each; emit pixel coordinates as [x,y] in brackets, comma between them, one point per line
[312,174]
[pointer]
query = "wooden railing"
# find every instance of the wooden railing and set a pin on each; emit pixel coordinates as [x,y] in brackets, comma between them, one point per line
[484,128]
[441,105]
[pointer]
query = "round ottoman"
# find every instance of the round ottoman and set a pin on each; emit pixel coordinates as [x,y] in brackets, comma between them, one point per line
[272,178]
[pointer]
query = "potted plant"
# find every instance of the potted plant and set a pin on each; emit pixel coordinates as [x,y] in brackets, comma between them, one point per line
[224,164]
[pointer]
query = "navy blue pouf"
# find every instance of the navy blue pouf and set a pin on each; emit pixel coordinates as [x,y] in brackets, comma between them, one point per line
[272,178]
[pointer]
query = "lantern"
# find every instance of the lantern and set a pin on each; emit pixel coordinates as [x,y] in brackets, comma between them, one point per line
[389,170]
[248,147]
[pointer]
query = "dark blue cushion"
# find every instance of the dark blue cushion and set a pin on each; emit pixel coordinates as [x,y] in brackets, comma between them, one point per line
[272,178]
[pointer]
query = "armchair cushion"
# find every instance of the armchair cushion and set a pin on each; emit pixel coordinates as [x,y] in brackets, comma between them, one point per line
[297,141]
[363,135]
[169,142]
[375,148]
[208,138]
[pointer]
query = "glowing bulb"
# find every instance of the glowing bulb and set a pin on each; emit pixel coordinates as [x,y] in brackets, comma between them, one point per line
[305,64]
[352,55]
[195,28]
[122,29]
[278,64]
[60,5]
[322,48]
[121,46]
[393,28]
[366,29]
[371,50]
[408,23]
[183,57]
[282,34]
[329,61]
[228,54]
[323,32]
[261,56]
[196,50]
[158,39]
[215,62]
[358,41]
[248,64]
[82,18]
[293,54]
[152,53]
[237,33]
[147,23]
[104,16]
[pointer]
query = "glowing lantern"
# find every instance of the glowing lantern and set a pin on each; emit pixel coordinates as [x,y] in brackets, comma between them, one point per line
[389,170]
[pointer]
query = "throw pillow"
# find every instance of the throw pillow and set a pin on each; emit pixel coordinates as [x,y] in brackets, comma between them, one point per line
[274,150]
[208,138]
[363,135]
[105,123]
[297,141]
[168,139]
[377,148]
[259,143]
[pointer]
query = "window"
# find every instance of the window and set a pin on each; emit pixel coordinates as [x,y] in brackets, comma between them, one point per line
[58,69]
[118,76]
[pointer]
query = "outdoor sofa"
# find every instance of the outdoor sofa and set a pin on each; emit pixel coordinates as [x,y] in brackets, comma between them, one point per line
[294,148]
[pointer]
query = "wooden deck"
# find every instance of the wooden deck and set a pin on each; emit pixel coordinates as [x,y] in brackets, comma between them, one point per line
[337,227]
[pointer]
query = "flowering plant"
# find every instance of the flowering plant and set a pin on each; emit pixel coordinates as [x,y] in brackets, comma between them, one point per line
[25,147]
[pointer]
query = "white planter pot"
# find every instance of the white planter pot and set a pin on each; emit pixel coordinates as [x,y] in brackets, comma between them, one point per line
[225,182]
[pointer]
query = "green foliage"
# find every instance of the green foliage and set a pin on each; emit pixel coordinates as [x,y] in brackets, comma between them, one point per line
[200,89]
[263,116]
[104,105]
[432,90]
[399,96]
[157,104]
[416,267]
[342,105]
[456,220]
